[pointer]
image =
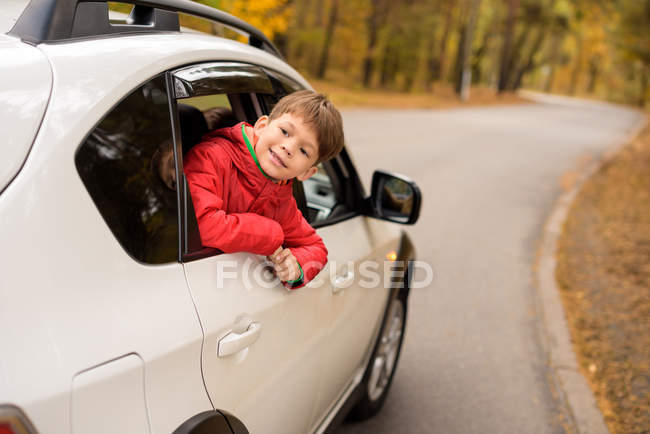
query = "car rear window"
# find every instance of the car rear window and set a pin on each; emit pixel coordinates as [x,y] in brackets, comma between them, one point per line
[127,166]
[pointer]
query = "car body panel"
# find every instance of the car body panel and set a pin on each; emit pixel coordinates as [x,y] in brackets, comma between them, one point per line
[123,381]
[9,13]
[24,92]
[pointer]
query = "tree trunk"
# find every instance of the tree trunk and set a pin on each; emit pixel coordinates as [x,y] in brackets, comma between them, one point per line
[577,70]
[385,61]
[555,51]
[594,69]
[387,58]
[529,64]
[516,57]
[458,65]
[431,64]
[297,45]
[644,85]
[320,11]
[477,58]
[329,32]
[441,62]
[373,31]
[506,50]
[465,78]
[389,65]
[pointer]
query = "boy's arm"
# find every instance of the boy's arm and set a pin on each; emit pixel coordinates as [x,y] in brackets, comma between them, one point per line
[303,241]
[236,232]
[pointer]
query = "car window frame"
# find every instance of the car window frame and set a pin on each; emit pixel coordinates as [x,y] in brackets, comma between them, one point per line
[252,105]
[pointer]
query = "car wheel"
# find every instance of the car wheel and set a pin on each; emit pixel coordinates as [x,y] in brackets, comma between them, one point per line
[383,362]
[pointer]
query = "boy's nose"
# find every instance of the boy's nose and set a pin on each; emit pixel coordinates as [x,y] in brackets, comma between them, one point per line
[288,149]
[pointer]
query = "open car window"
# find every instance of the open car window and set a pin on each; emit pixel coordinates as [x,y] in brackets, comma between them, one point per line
[207,97]
[215,95]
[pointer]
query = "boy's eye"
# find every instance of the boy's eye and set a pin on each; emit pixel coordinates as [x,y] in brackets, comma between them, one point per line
[304,152]
[284,132]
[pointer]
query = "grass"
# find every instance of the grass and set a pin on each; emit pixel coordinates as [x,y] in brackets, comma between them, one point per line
[604,274]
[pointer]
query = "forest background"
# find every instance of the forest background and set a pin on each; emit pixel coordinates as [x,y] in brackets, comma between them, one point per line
[598,48]
[594,48]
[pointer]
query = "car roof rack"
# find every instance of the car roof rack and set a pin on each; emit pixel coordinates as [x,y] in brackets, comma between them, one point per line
[61,20]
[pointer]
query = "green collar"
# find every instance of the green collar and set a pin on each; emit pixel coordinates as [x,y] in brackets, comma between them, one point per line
[252,150]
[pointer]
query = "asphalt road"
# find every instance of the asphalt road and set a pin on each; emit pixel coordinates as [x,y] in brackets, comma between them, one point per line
[474,359]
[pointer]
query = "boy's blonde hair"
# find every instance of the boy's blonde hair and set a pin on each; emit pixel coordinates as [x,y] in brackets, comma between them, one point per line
[319,113]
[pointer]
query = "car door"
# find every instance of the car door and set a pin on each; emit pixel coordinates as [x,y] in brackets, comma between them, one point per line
[359,265]
[357,276]
[263,345]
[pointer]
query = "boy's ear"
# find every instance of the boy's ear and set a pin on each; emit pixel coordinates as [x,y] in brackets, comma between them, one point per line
[307,174]
[260,124]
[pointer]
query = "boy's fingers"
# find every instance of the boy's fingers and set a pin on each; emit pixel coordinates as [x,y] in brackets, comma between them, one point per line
[287,271]
[289,263]
[292,265]
[273,257]
[284,255]
[275,254]
[283,267]
[284,274]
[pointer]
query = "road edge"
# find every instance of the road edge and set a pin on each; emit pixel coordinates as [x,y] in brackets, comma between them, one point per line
[585,415]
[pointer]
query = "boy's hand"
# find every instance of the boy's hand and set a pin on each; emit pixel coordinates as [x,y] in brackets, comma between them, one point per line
[285,264]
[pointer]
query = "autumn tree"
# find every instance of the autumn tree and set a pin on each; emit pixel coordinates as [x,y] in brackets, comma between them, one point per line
[598,47]
[327,41]
[633,41]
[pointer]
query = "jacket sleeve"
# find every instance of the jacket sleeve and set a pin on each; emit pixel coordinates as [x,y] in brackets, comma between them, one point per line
[303,241]
[236,232]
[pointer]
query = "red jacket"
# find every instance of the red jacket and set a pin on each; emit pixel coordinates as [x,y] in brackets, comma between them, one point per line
[240,210]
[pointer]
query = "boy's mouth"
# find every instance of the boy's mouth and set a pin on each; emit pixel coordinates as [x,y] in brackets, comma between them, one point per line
[276,159]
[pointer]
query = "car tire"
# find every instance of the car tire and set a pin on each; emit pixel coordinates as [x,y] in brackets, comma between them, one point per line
[383,363]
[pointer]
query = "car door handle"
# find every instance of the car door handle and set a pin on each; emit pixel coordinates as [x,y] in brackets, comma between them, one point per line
[342,281]
[234,342]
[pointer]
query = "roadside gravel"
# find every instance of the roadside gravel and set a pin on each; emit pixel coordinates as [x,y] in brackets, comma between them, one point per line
[603,271]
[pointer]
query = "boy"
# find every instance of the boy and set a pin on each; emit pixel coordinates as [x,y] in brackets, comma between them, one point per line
[240,180]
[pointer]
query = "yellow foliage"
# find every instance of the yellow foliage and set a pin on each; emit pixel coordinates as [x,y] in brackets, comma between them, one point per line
[270,16]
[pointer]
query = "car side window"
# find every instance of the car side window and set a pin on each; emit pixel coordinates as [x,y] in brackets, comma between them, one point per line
[127,165]
[207,97]
[214,95]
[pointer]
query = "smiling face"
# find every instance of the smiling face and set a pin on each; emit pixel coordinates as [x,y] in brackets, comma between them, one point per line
[286,147]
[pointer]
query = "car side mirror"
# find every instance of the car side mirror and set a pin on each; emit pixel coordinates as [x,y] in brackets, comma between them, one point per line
[394,198]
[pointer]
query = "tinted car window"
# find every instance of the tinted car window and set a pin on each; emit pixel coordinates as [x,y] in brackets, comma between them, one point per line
[127,166]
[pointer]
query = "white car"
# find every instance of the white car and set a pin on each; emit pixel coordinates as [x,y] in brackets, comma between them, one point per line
[113,317]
